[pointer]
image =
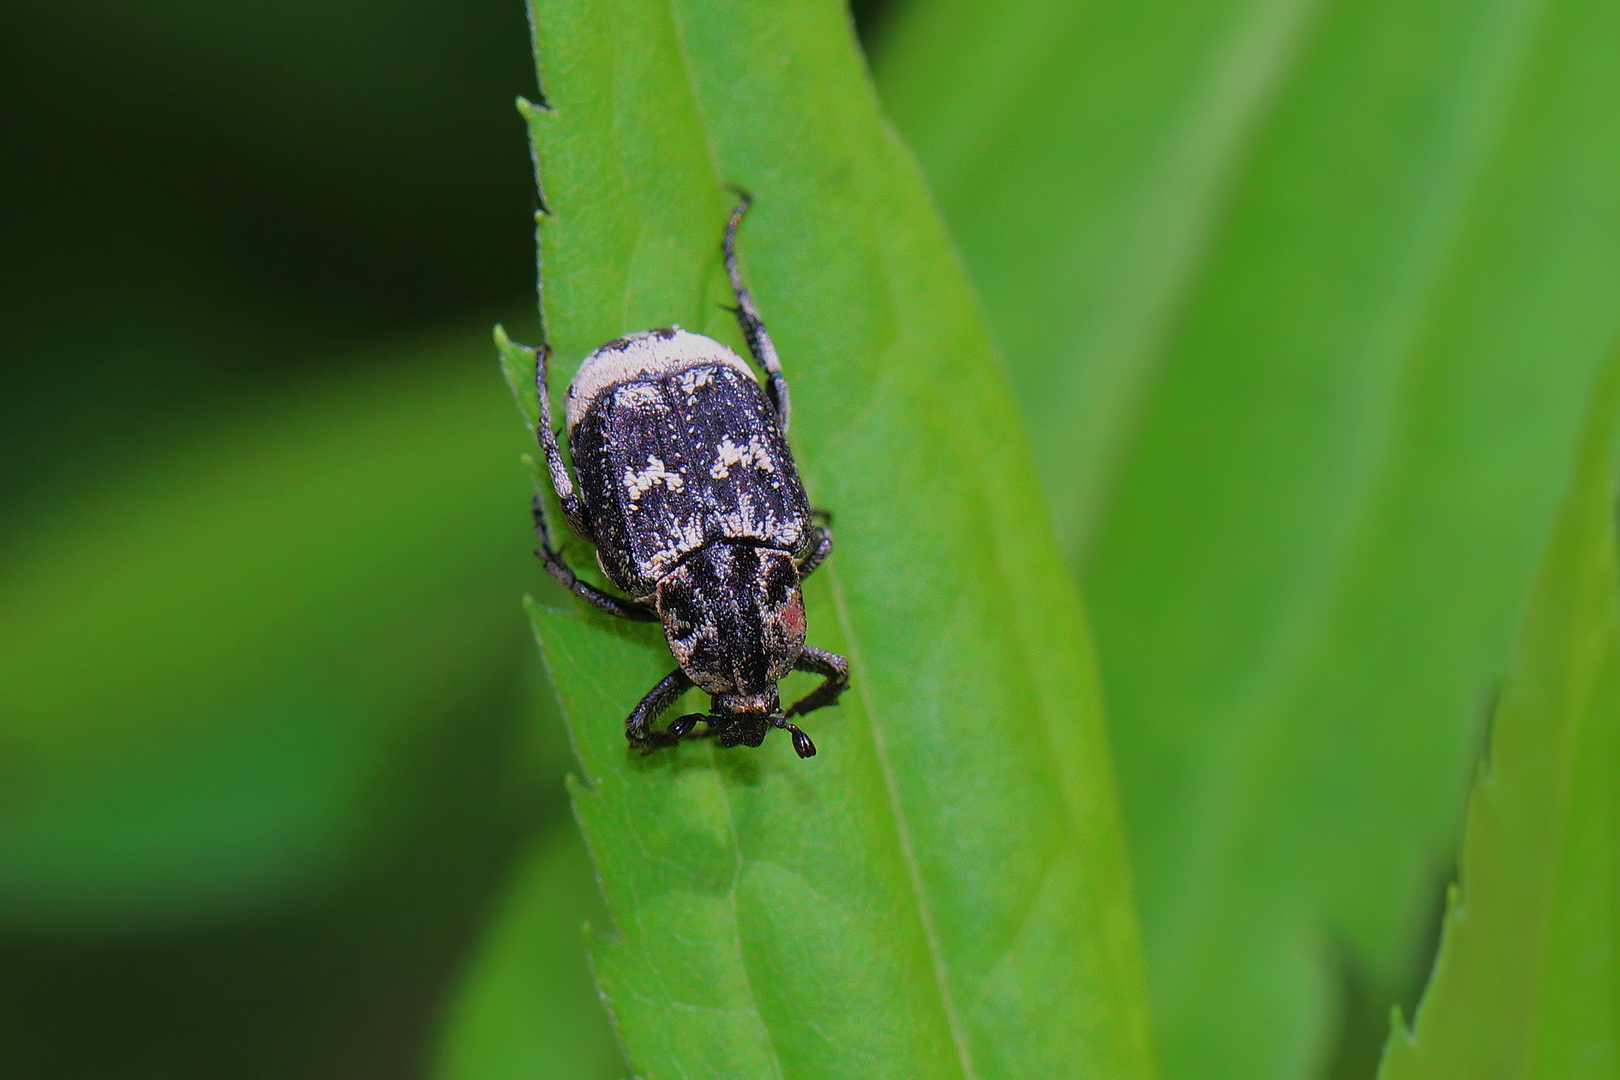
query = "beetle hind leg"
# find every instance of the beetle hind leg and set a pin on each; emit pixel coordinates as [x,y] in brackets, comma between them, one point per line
[835,671]
[753,327]
[550,555]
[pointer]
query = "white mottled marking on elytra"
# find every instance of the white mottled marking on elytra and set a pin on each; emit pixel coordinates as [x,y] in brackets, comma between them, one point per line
[760,455]
[639,396]
[656,353]
[693,380]
[688,536]
[639,483]
[729,453]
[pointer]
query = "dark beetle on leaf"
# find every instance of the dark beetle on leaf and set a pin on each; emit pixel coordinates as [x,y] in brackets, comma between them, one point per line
[690,494]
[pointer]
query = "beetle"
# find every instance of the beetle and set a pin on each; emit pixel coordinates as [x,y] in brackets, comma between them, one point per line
[691,497]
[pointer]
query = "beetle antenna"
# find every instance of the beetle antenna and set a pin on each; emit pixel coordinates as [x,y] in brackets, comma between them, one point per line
[801,742]
[681,727]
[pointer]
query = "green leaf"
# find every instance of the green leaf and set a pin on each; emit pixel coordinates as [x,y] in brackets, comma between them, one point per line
[942,892]
[221,677]
[1527,983]
[1304,303]
[527,1008]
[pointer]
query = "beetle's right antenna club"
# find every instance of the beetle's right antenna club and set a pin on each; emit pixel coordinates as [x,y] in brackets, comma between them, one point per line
[801,742]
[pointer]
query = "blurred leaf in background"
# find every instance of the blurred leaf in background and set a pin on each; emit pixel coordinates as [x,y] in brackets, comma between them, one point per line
[212,674]
[941,891]
[1304,303]
[528,1007]
[205,202]
[1527,983]
[267,732]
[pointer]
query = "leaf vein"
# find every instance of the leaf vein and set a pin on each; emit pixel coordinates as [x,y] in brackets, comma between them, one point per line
[925,915]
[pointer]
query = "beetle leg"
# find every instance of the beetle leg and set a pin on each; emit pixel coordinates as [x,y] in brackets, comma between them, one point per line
[820,662]
[819,553]
[638,726]
[573,509]
[552,560]
[753,327]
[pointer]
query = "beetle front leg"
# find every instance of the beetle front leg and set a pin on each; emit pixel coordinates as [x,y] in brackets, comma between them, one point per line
[820,662]
[753,327]
[551,558]
[638,726]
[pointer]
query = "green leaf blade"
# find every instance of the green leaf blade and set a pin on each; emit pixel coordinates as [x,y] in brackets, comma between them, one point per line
[941,892]
[1527,983]
[720,884]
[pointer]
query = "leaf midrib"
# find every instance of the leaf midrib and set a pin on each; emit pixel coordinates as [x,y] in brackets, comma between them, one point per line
[925,915]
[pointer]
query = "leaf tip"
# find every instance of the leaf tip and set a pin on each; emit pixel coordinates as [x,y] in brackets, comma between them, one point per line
[530,110]
[518,366]
[1398,1027]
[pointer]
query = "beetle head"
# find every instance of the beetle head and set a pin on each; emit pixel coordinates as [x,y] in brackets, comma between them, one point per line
[734,618]
[743,730]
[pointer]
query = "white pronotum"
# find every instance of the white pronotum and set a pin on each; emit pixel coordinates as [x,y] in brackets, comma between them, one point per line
[639,355]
